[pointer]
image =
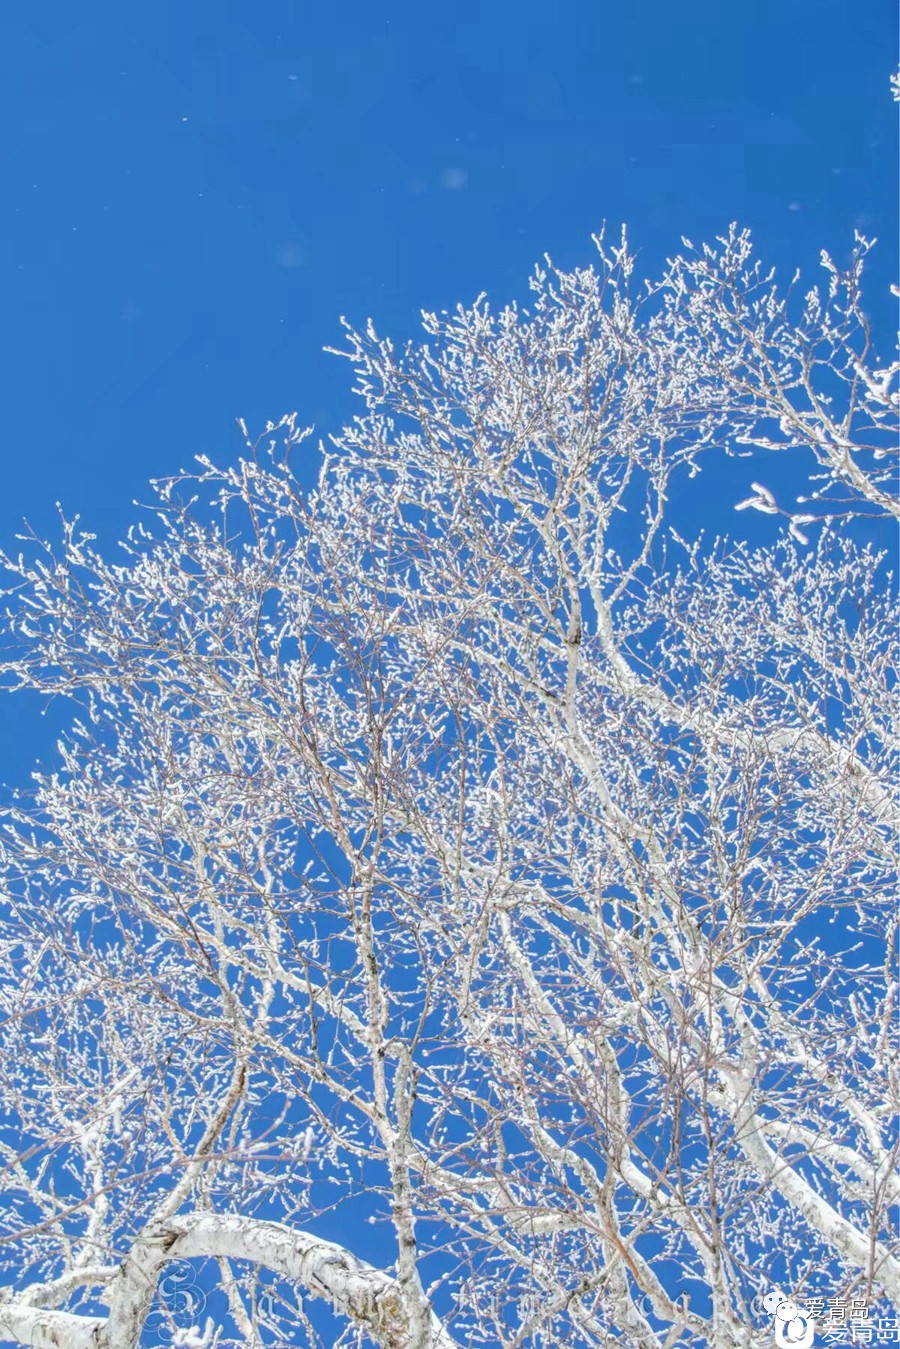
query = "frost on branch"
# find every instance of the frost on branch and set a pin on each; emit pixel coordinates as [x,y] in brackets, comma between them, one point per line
[453,853]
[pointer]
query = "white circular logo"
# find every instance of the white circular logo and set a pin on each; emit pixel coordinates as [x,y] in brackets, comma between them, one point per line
[794,1327]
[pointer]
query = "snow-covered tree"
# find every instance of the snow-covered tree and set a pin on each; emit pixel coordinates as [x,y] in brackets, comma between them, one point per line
[450,837]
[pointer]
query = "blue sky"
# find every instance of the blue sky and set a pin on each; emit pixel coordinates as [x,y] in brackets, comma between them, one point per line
[192,194]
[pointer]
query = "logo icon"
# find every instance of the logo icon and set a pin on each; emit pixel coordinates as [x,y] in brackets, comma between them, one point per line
[795,1327]
[178,1298]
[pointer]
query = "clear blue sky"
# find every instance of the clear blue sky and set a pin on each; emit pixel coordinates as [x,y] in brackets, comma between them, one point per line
[192,193]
